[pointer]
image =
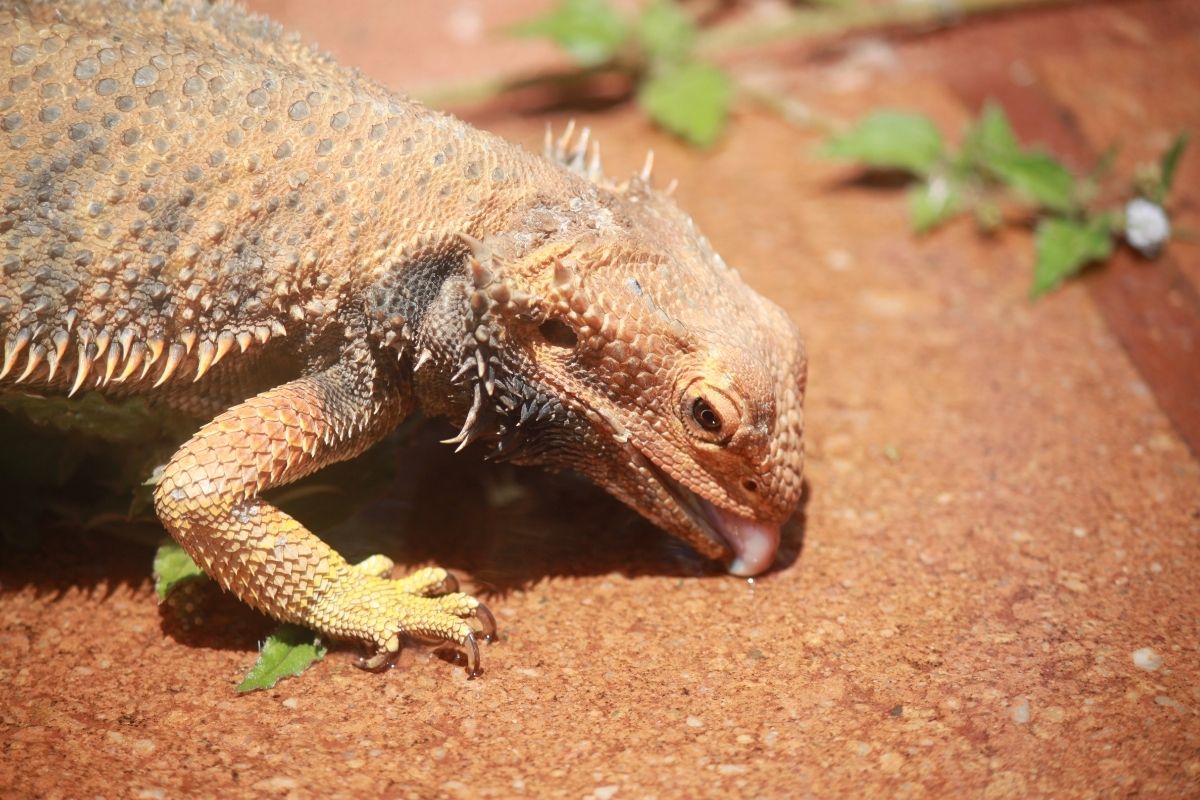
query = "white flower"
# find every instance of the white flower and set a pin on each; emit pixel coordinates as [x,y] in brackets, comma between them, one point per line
[1146,226]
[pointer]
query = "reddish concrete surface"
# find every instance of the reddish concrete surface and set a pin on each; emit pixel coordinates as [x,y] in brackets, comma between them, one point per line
[999,518]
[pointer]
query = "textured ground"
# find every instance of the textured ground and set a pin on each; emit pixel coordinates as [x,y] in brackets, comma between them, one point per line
[999,518]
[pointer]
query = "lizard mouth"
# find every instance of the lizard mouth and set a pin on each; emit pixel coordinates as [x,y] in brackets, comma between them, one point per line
[753,543]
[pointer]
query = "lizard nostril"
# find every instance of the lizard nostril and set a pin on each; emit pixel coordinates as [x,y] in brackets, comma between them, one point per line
[750,485]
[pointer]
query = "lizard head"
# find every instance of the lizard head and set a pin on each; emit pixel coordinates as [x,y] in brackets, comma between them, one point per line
[634,355]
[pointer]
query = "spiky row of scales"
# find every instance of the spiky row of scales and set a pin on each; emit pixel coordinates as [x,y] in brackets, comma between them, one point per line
[117,359]
[517,409]
[74,354]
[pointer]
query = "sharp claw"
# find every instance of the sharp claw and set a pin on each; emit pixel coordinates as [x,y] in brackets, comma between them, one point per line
[472,648]
[449,584]
[382,658]
[487,623]
[376,663]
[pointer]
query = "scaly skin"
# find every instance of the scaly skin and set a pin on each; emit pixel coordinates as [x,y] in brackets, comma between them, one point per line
[202,211]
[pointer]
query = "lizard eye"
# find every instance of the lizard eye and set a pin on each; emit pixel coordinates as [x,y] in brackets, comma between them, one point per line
[705,416]
[709,413]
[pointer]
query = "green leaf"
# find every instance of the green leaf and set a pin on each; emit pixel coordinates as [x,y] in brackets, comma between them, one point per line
[1065,246]
[690,100]
[1171,160]
[992,145]
[172,566]
[591,31]
[891,140]
[1039,177]
[665,31]
[288,651]
[991,136]
[932,202]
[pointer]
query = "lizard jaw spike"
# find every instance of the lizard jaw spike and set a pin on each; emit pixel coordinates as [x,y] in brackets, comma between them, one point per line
[422,359]
[463,369]
[480,364]
[595,170]
[174,357]
[548,143]
[36,354]
[137,352]
[60,339]
[481,276]
[464,434]
[205,356]
[155,346]
[12,349]
[126,340]
[560,150]
[647,167]
[563,275]
[85,366]
[671,187]
[575,162]
[225,342]
[478,247]
[111,361]
[103,338]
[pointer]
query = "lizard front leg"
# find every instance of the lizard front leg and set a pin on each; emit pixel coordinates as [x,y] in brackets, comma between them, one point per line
[209,499]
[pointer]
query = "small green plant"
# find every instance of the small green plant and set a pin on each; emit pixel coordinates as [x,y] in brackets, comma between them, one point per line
[173,567]
[683,93]
[992,168]
[288,651]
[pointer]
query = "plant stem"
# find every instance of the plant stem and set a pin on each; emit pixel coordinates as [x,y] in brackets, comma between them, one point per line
[851,17]
[801,25]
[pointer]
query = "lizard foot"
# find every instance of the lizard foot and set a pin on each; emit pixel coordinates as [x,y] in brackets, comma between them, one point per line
[426,606]
[427,582]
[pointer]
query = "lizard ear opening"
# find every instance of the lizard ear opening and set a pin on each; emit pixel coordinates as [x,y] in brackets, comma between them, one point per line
[558,333]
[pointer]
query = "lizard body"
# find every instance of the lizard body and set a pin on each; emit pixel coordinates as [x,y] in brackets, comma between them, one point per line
[201,210]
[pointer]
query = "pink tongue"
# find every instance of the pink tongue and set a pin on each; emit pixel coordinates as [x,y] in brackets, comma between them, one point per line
[754,544]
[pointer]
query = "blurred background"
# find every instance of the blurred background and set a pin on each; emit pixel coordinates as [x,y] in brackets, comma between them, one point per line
[982,214]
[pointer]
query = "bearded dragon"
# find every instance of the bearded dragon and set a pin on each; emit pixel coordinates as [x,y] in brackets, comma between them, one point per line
[201,210]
